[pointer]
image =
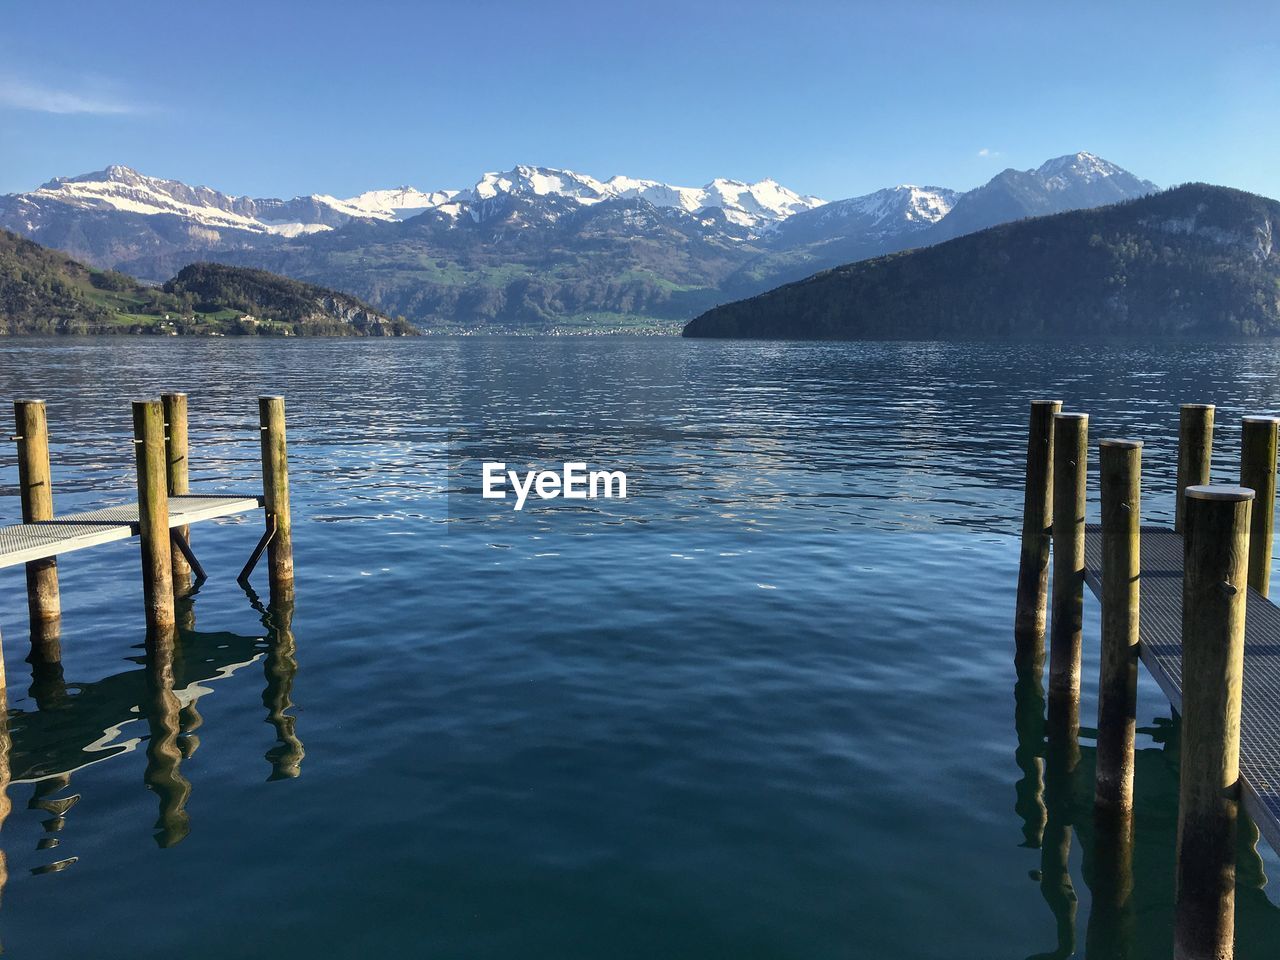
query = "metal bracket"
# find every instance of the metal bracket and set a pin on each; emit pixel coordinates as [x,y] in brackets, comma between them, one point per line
[184,548]
[243,579]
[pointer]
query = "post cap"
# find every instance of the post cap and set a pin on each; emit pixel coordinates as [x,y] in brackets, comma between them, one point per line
[1197,406]
[1046,403]
[173,393]
[1120,444]
[1071,416]
[272,396]
[18,403]
[1219,491]
[1260,419]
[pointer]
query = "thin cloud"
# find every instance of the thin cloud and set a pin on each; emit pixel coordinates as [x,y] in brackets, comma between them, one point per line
[22,95]
[988,152]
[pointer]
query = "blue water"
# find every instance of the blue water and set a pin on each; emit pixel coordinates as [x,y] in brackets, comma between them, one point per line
[762,708]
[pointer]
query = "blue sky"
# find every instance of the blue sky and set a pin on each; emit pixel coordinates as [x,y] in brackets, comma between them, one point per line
[835,99]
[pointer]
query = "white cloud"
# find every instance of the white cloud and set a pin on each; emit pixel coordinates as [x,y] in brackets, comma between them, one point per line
[21,95]
[988,152]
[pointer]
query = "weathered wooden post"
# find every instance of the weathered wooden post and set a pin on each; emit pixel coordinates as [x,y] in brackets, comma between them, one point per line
[1213,619]
[35,486]
[153,515]
[1037,519]
[1118,684]
[1258,473]
[1070,460]
[1195,450]
[175,421]
[275,490]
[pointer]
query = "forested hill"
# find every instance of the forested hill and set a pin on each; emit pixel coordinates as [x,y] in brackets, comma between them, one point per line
[1197,260]
[44,291]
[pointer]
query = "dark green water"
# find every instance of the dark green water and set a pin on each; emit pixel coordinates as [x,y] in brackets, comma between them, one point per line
[763,708]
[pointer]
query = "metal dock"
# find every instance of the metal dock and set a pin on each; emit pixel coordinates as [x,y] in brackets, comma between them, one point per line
[1160,626]
[23,542]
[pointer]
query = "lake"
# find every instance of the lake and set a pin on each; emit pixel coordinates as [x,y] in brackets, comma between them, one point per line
[764,707]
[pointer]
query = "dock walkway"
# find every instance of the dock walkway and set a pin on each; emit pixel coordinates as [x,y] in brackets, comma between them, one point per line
[1160,629]
[23,542]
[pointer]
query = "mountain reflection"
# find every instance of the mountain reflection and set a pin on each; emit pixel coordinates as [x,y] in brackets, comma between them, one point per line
[70,726]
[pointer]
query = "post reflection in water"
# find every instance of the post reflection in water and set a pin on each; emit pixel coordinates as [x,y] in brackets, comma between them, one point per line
[280,666]
[1044,803]
[162,710]
[1111,919]
[1127,861]
[1028,699]
[6,804]
[67,731]
[47,684]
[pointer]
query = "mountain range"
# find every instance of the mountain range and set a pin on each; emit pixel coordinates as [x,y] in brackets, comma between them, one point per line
[1196,260]
[536,247]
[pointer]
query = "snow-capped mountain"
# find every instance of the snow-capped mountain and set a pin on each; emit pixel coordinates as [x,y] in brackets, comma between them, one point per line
[1073,182]
[122,190]
[751,205]
[1061,173]
[533,243]
[890,213]
[399,203]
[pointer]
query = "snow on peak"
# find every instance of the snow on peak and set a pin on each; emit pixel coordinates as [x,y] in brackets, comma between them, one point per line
[541,182]
[1076,167]
[906,202]
[398,203]
[747,204]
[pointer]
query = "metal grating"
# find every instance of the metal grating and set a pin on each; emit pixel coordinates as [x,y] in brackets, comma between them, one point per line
[35,541]
[23,542]
[183,509]
[1160,626]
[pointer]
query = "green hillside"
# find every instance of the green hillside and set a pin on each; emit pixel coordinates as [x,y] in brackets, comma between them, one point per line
[44,291]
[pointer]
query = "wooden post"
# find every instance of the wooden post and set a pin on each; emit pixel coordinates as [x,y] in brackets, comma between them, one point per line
[1195,450]
[1121,566]
[1258,473]
[153,515]
[1213,619]
[1037,519]
[275,490]
[1070,460]
[35,484]
[175,421]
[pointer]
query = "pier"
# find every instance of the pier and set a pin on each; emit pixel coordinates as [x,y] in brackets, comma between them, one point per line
[1190,602]
[161,518]
[1160,649]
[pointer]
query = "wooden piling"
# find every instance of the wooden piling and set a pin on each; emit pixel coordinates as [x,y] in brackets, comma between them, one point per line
[1213,621]
[1070,460]
[1037,519]
[153,515]
[1258,437]
[35,485]
[1121,468]
[175,438]
[1195,450]
[275,489]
